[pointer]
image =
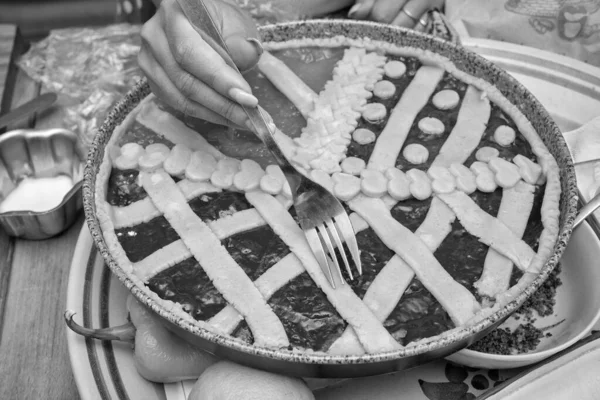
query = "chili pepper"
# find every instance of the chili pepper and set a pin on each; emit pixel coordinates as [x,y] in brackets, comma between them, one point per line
[159,355]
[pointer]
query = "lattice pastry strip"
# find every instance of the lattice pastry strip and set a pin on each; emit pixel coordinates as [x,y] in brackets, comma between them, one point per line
[371,333]
[514,212]
[467,132]
[402,117]
[414,252]
[460,304]
[489,230]
[389,285]
[227,276]
[177,251]
[144,210]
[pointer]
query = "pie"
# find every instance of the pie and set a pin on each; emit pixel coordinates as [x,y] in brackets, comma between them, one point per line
[452,194]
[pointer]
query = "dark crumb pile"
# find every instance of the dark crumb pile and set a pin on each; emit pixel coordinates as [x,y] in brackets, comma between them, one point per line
[526,336]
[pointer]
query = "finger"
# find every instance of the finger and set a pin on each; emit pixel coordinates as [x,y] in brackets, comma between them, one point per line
[241,38]
[386,10]
[361,9]
[197,57]
[411,12]
[422,24]
[186,84]
[245,52]
[165,90]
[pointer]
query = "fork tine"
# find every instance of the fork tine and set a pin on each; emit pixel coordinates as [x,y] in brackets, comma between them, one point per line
[345,228]
[325,237]
[336,238]
[316,246]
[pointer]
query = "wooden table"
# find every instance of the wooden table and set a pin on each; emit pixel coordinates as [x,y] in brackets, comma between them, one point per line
[34,361]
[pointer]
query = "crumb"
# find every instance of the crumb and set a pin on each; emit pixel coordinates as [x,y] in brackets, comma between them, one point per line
[503,341]
[526,336]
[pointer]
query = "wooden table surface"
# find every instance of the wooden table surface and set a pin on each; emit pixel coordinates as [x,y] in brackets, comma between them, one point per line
[34,361]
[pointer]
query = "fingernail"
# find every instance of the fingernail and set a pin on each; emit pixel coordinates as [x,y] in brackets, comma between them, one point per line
[353,10]
[257,45]
[249,125]
[242,97]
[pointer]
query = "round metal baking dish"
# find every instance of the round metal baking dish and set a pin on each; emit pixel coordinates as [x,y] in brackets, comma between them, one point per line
[319,365]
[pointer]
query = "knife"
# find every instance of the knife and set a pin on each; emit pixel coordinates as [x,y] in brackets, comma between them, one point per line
[25,110]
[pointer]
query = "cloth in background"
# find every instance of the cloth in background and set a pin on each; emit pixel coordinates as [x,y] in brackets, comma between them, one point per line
[567,27]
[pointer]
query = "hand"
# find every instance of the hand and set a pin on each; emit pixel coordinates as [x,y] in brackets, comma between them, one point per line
[406,13]
[189,75]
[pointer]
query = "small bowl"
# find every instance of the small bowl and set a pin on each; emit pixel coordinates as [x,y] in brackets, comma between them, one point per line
[40,154]
[577,306]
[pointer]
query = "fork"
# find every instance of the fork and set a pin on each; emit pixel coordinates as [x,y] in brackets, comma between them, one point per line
[322,217]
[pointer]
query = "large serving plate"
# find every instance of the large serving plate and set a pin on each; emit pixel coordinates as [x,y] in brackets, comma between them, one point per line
[106,370]
[318,364]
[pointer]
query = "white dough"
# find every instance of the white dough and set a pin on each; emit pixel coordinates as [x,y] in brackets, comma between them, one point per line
[398,184]
[249,176]
[271,184]
[394,69]
[465,178]
[353,165]
[484,177]
[504,135]
[201,166]
[178,159]
[152,161]
[506,173]
[374,112]
[415,153]
[446,99]
[222,177]
[442,179]
[345,186]
[384,89]
[420,184]
[485,154]
[373,183]
[530,171]
[123,162]
[431,126]
[157,148]
[132,150]
[363,136]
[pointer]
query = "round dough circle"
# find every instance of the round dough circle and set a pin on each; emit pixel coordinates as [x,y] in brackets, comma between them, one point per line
[485,154]
[394,69]
[384,89]
[353,165]
[504,135]
[363,136]
[446,99]
[374,112]
[431,126]
[415,153]
[158,148]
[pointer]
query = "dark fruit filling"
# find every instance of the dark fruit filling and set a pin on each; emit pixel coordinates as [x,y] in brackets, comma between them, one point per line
[309,319]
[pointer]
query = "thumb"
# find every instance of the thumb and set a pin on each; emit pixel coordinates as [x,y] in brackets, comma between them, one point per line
[240,34]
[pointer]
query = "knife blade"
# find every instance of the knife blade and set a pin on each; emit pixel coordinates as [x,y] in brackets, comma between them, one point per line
[25,110]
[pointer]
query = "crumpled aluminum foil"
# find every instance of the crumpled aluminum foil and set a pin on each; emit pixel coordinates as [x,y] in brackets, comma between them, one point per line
[90,68]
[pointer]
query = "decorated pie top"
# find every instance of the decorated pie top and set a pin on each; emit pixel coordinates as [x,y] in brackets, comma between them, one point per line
[452,194]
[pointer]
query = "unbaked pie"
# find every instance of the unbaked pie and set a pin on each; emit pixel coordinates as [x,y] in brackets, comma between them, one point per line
[453,196]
